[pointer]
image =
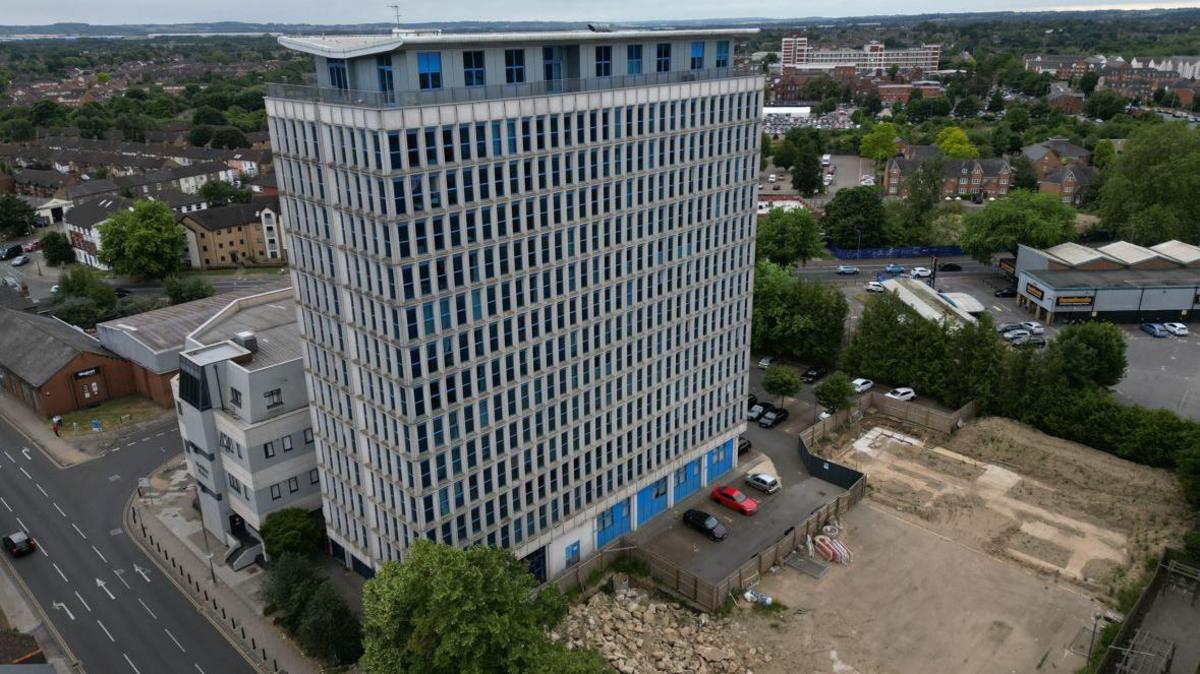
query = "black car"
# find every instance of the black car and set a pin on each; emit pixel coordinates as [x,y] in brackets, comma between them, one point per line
[949,266]
[751,401]
[11,252]
[19,544]
[813,374]
[1010,291]
[705,524]
[773,418]
[744,446]
[122,292]
[759,411]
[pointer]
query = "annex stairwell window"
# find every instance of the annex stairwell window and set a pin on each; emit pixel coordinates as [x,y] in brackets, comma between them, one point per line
[514,66]
[429,70]
[338,75]
[383,71]
[663,58]
[633,59]
[473,73]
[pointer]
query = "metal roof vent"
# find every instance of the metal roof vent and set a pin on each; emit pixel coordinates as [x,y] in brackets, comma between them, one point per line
[247,340]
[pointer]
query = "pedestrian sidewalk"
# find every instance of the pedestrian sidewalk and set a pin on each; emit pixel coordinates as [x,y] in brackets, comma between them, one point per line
[25,616]
[37,430]
[163,522]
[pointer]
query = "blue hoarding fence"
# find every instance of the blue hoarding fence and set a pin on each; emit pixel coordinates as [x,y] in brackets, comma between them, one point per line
[612,523]
[883,253]
[687,480]
[651,501]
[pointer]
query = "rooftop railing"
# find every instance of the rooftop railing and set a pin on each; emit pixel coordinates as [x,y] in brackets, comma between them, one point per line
[405,99]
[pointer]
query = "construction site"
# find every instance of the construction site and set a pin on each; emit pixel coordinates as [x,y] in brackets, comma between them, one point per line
[995,549]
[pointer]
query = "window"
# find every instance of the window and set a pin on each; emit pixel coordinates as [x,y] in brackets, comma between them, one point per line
[308,436]
[573,554]
[514,66]
[722,54]
[293,485]
[314,477]
[235,396]
[274,398]
[287,443]
[429,70]
[663,62]
[633,56]
[269,449]
[338,78]
[473,68]
[604,61]
[383,70]
[697,56]
[276,493]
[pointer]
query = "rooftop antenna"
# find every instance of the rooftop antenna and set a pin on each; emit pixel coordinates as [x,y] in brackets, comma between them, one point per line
[396,9]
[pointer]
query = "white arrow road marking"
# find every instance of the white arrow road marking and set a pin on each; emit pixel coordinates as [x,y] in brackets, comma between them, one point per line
[78,531]
[97,551]
[26,473]
[41,490]
[8,507]
[141,572]
[110,636]
[59,606]
[131,665]
[181,648]
[60,510]
[147,608]
[25,453]
[104,586]
[64,576]
[81,601]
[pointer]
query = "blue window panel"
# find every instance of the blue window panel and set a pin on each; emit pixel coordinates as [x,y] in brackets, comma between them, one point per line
[429,70]
[697,62]
[720,461]
[473,72]
[722,54]
[662,61]
[604,61]
[612,523]
[514,66]
[687,480]
[572,554]
[633,59]
[651,501]
[383,71]
[338,76]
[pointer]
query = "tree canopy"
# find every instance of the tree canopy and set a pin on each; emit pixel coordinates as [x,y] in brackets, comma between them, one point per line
[795,318]
[855,218]
[56,249]
[1035,219]
[787,236]
[17,218]
[1148,196]
[144,242]
[290,531]
[834,392]
[1105,104]
[781,381]
[954,144]
[879,143]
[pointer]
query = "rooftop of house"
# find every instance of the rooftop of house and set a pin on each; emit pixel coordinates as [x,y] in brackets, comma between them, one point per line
[270,316]
[1083,174]
[1184,253]
[36,347]
[233,215]
[1061,147]
[91,188]
[91,213]
[42,178]
[167,328]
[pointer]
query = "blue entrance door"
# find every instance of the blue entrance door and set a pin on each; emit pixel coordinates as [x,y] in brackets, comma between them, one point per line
[720,461]
[651,501]
[612,523]
[687,480]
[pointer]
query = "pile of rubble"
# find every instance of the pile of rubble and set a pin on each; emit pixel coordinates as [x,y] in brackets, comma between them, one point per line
[637,634]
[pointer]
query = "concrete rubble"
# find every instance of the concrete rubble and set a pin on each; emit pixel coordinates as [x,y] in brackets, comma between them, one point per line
[636,633]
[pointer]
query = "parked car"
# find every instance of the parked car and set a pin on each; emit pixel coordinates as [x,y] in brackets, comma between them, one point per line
[902,393]
[751,401]
[1033,327]
[1036,342]
[54,289]
[705,524]
[1007,327]
[744,446]
[874,287]
[847,269]
[825,414]
[734,499]
[921,272]
[1154,329]
[122,292]
[759,410]
[36,244]
[813,374]
[766,483]
[949,266]
[776,187]
[20,260]
[1177,329]
[1010,291]
[862,385]
[773,418]
[19,544]
[1019,340]
[1016,334]
[11,252]
[894,268]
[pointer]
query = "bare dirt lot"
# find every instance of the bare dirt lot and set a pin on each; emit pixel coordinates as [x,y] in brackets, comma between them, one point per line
[988,551]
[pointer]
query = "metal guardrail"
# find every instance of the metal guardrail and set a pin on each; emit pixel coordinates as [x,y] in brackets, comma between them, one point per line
[406,99]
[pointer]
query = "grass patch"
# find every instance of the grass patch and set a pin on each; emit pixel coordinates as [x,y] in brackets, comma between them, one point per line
[112,414]
[631,566]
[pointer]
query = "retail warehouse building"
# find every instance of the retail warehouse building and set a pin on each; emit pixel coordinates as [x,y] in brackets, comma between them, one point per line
[1120,282]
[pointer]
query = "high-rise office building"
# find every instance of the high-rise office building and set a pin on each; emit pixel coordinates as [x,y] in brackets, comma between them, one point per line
[873,59]
[524,268]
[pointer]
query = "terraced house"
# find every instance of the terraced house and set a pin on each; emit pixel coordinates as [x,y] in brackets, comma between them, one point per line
[961,178]
[523,262]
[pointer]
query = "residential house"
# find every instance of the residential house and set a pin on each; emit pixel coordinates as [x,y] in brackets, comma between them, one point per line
[237,234]
[91,189]
[961,178]
[82,222]
[1070,182]
[1051,154]
[1066,102]
[42,183]
[181,202]
[1064,67]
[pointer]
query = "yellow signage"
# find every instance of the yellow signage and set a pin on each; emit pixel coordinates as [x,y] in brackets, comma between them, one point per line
[1075,301]
[1034,291]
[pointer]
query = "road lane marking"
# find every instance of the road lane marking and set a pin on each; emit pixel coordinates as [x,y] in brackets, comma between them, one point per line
[110,636]
[9,456]
[131,444]
[141,572]
[159,435]
[23,527]
[147,608]
[78,530]
[5,504]
[41,490]
[104,586]
[25,453]
[98,553]
[25,473]
[199,670]
[181,648]
[64,576]
[60,510]
[59,606]
[131,665]
[81,601]
[119,573]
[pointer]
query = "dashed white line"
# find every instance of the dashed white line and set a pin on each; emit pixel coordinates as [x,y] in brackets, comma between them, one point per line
[130,444]
[160,434]
[26,473]
[199,670]
[60,510]
[41,490]
[42,549]
[181,648]
[81,601]
[110,636]
[131,665]
[119,573]
[23,527]
[9,456]
[6,504]
[97,551]
[64,576]
[147,608]
[78,531]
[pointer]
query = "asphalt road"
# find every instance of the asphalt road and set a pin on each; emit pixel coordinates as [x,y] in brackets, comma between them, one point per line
[108,600]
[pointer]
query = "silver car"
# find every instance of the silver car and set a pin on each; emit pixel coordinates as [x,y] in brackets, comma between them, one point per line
[768,484]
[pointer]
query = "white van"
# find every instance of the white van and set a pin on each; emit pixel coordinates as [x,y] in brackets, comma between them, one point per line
[826,160]
[772,178]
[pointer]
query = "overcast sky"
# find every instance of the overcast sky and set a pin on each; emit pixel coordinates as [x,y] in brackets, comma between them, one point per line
[358,11]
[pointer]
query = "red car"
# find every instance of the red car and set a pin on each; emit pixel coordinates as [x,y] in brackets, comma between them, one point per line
[734,499]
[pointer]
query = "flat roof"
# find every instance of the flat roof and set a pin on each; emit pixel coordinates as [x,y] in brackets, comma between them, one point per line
[927,302]
[167,328]
[273,324]
[1074,279]
[215,353]
[351,46]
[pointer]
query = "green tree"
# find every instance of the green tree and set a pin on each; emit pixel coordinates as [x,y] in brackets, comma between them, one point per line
[1147,195]
[1093,352]
[1002,139]
[879,143]
[967,107]
[219,193]
[17,218]
[133,127]
[16,131]
[137,304]
[784,154]
[1103,154]
[291,531]
[56,249]
[80,311]
[208,116]
[996,102]
[781,381]
[924,197]
[1031,218]
[448,610]
[855,218]
[1017,117]
[1105,104]
[1024,175]
[229,138]
[143,242]
[787,236]
[834,392]
[186,289]
[795,318]
[84,282]
[329,630]
[291,582]
[200,136]
[954,144]
[806,172]
[1087,83]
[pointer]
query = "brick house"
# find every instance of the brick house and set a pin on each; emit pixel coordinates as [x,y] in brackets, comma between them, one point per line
[1052,154]
[238,234]
[1070,182]
[963,178]
[1067,102]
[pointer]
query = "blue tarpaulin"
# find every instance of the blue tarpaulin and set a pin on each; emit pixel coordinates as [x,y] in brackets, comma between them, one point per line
[883,253]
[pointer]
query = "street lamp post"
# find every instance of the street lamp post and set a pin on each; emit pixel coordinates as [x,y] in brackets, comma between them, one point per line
[1092,641]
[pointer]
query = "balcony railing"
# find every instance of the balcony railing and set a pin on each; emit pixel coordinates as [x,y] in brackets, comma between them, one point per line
[406,99]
